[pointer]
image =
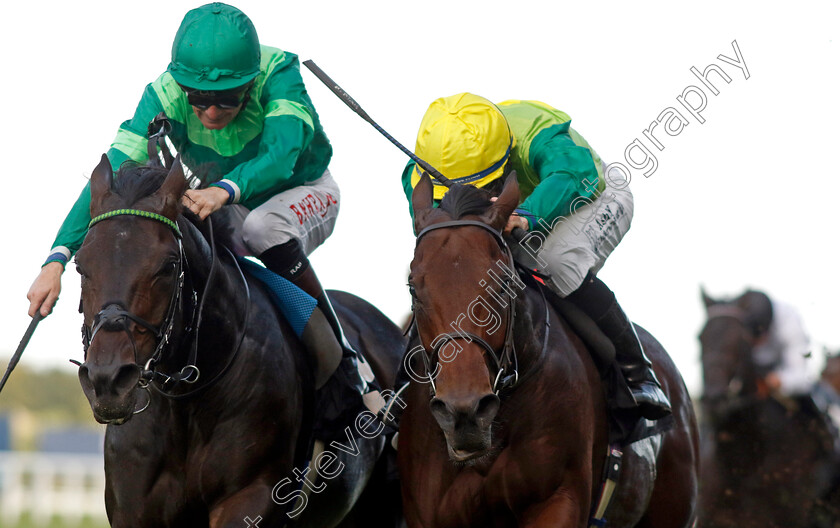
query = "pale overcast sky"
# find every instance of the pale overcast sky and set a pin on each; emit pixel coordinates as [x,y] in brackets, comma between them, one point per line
[748,197]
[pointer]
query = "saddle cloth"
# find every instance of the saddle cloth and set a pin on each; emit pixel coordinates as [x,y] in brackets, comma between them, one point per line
[295,304]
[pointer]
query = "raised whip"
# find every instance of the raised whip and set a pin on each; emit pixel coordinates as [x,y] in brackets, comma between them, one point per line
[23,342]
[349,101]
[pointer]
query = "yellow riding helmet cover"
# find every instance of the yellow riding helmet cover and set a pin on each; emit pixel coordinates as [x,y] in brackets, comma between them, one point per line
[466,138]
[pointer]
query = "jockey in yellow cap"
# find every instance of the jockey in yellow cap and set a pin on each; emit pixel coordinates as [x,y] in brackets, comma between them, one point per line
[566,205]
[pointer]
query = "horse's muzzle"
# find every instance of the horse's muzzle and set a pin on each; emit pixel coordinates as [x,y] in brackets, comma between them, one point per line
[110,390]
[467,425]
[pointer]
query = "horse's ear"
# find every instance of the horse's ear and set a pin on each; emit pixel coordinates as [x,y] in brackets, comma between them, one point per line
[707,301]
[100,186]
[421,201]
[498,214]
[173,189]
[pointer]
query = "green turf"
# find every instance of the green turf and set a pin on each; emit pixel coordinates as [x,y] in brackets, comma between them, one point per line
[26,522]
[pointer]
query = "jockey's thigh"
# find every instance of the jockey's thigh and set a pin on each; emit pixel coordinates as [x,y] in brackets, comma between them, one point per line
[580,243]
[307,213]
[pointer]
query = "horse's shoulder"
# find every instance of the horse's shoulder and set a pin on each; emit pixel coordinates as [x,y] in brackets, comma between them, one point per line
[573,323]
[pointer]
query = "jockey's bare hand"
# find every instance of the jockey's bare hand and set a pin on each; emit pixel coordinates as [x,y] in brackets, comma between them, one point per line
[773,381]
[514,221]
[205,202]
[44,291]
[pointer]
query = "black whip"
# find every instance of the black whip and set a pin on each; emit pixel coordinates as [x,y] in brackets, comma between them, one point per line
[23,342]
[349,101]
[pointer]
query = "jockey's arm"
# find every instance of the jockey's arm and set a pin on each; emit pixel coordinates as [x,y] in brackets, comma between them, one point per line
[44,291]
[793,375]
[272,170]
[568,178]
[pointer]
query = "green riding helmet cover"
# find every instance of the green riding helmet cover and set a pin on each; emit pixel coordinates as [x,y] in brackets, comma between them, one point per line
[216,48]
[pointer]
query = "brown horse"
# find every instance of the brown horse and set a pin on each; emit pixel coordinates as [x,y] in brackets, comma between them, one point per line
[766,459]
[515,432]
[205,388]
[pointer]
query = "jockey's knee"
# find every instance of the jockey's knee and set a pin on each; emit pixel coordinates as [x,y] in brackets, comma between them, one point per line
[261,231]
[568,273]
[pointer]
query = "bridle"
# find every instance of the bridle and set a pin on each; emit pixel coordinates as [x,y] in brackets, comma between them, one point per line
[114,317]
[504,363]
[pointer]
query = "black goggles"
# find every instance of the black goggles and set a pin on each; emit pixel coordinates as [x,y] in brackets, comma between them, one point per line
[225,100]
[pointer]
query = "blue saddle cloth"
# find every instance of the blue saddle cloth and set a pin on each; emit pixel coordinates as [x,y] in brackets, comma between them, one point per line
[295,304]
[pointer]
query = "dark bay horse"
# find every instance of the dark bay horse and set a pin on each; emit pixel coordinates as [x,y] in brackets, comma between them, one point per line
[227,449]
[497,440]
[766,460]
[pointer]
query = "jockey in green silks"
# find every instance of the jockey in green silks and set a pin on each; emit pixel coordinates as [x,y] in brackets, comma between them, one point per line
[240,111]
[566,205]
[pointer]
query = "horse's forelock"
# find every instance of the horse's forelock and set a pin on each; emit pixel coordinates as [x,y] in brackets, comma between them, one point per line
[134,181]
[465,200]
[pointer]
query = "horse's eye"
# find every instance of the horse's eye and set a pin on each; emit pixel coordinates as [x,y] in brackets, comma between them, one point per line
[412,291]
[80,271]
[167,269]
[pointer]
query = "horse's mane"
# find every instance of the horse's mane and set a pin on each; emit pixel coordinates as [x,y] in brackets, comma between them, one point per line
[135,181]
[465,200]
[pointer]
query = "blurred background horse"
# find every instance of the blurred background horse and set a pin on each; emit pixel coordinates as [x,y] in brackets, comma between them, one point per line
[768,459]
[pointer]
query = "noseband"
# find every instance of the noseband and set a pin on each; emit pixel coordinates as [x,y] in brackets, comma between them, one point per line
[502,362]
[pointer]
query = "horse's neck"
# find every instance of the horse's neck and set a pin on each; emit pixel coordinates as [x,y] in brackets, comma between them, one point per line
[218,288]
[197,250]
[530,327]
[204,259]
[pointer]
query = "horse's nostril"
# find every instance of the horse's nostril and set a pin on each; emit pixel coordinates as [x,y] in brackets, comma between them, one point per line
[441,412]
[487,408]
[438,406]
[125,378]
[84,379]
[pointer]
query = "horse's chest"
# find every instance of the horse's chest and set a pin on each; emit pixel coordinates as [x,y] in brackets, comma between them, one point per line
[167,488]
[491,497]
[465,502]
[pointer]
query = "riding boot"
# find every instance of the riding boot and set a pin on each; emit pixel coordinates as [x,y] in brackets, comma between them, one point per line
[599,303]
[348,384]
[351,360]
